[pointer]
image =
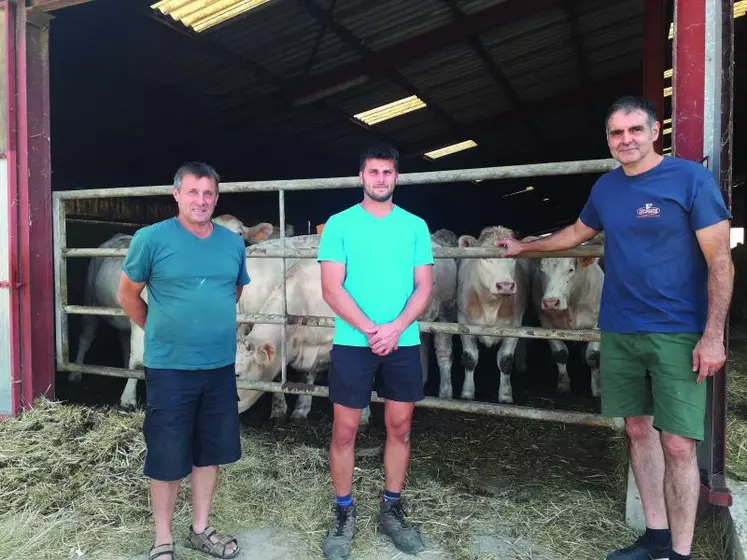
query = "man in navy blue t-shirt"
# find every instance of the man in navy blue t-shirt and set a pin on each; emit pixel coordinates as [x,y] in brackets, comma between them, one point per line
[666,295]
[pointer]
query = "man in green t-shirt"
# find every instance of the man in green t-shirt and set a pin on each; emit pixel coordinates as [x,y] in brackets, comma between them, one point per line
[376,263]
[194,271]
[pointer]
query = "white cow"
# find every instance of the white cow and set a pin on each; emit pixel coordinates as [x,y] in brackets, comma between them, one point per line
[310,352]
[255,234]
[567,294]
[258,354]
[442,308]
[491,292]
[102,282]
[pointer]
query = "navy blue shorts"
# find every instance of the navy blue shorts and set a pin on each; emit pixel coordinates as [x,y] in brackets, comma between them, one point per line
[191,419]
[355,371]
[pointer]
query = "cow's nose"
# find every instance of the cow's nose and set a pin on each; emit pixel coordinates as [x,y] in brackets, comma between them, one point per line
[506,287]
[552,303]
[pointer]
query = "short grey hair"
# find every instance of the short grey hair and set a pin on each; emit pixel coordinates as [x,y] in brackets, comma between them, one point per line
[628,104]
[199,170]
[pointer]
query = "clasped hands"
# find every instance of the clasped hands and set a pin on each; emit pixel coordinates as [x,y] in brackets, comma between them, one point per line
[384,339]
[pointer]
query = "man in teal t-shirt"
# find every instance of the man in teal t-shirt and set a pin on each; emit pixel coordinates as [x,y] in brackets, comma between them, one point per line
[377,277]
[194,272]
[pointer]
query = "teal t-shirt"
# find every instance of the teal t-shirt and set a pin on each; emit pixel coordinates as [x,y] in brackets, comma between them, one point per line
[380,256]
[191,285]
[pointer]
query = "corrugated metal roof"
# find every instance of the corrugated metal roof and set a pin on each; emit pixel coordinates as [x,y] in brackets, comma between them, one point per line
[385,22]
[248,71]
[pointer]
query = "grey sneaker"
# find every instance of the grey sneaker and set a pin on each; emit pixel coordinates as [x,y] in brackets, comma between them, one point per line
[393,524]
[340,538]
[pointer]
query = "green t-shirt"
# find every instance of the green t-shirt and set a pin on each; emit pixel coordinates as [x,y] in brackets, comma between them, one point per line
[191,285]
[380,256]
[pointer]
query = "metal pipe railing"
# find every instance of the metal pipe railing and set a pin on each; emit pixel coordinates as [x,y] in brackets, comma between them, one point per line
[447,176]
[311,253]
[491,409]
[578,335]
[63,309]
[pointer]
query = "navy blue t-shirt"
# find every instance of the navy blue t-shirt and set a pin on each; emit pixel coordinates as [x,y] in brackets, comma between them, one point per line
[656,278]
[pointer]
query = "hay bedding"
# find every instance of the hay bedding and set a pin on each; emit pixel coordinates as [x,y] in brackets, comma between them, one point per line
[71,486]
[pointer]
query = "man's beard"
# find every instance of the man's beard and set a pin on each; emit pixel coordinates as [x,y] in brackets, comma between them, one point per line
[379,197]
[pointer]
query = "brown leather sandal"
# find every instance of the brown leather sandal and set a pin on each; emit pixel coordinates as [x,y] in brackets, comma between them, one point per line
[203,543]
[163,551]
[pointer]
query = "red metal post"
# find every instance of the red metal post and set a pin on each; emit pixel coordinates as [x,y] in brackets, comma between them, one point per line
[27,152]
[701,117]
[9,153]
[654,43]
[688,81]
[35,186]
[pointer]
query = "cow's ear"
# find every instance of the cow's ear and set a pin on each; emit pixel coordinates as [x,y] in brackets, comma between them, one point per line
[467,241]
[583,262]
[259,232]
[265,354]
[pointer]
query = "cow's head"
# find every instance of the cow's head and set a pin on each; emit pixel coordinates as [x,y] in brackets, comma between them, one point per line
[557,277]
[254,361]
[260,232]
[498,276]
[250,235]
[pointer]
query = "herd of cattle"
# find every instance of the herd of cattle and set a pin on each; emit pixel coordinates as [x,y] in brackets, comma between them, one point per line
[565,293]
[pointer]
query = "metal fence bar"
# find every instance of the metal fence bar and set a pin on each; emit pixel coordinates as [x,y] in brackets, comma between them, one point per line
[447,176]
[284,286]
[580,335]
[59,236]
[490,409]
[311,253]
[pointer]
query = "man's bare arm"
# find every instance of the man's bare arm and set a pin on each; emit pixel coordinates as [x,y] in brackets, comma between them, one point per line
[570,236]
[128,296]
[709,354]
[420,298]
[239,290]
[338,298]
[714,242]
[387,336]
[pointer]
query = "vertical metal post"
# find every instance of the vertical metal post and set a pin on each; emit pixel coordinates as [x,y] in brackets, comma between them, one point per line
[717,147]
[702,92]
[655,41]
[59,234]
[283,350]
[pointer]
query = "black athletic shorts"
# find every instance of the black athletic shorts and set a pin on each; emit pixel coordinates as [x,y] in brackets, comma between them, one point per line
[356,371]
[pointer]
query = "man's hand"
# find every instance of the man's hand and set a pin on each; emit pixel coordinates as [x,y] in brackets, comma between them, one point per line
[708,356]
[386,338]
[513,247]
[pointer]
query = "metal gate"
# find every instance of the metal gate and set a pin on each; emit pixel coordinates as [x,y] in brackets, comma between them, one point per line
[63,309]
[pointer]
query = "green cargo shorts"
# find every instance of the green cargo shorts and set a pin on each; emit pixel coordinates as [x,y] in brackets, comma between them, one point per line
[651,374]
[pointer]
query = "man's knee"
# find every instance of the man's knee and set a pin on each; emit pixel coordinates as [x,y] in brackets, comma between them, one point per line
[639,427]
[344,431]
[399,427]
[677,447]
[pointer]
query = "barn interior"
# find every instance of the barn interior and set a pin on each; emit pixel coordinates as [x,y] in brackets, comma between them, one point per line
[281,90]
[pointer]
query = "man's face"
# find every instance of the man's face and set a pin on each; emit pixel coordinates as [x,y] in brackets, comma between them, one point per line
[379,177]
[196,198]
[629,136]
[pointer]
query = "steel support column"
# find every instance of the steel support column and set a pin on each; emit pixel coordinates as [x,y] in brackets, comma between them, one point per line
[27,152]
[701,118]
[655,41]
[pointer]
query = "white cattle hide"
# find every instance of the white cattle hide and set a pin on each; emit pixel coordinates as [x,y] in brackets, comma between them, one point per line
[258,355]
[567,294]
[491,292]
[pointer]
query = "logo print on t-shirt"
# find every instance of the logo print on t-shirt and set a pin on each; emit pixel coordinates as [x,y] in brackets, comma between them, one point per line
[649,211]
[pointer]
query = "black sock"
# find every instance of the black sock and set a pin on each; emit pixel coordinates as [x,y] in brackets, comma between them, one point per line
[674,556]
[660,538]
